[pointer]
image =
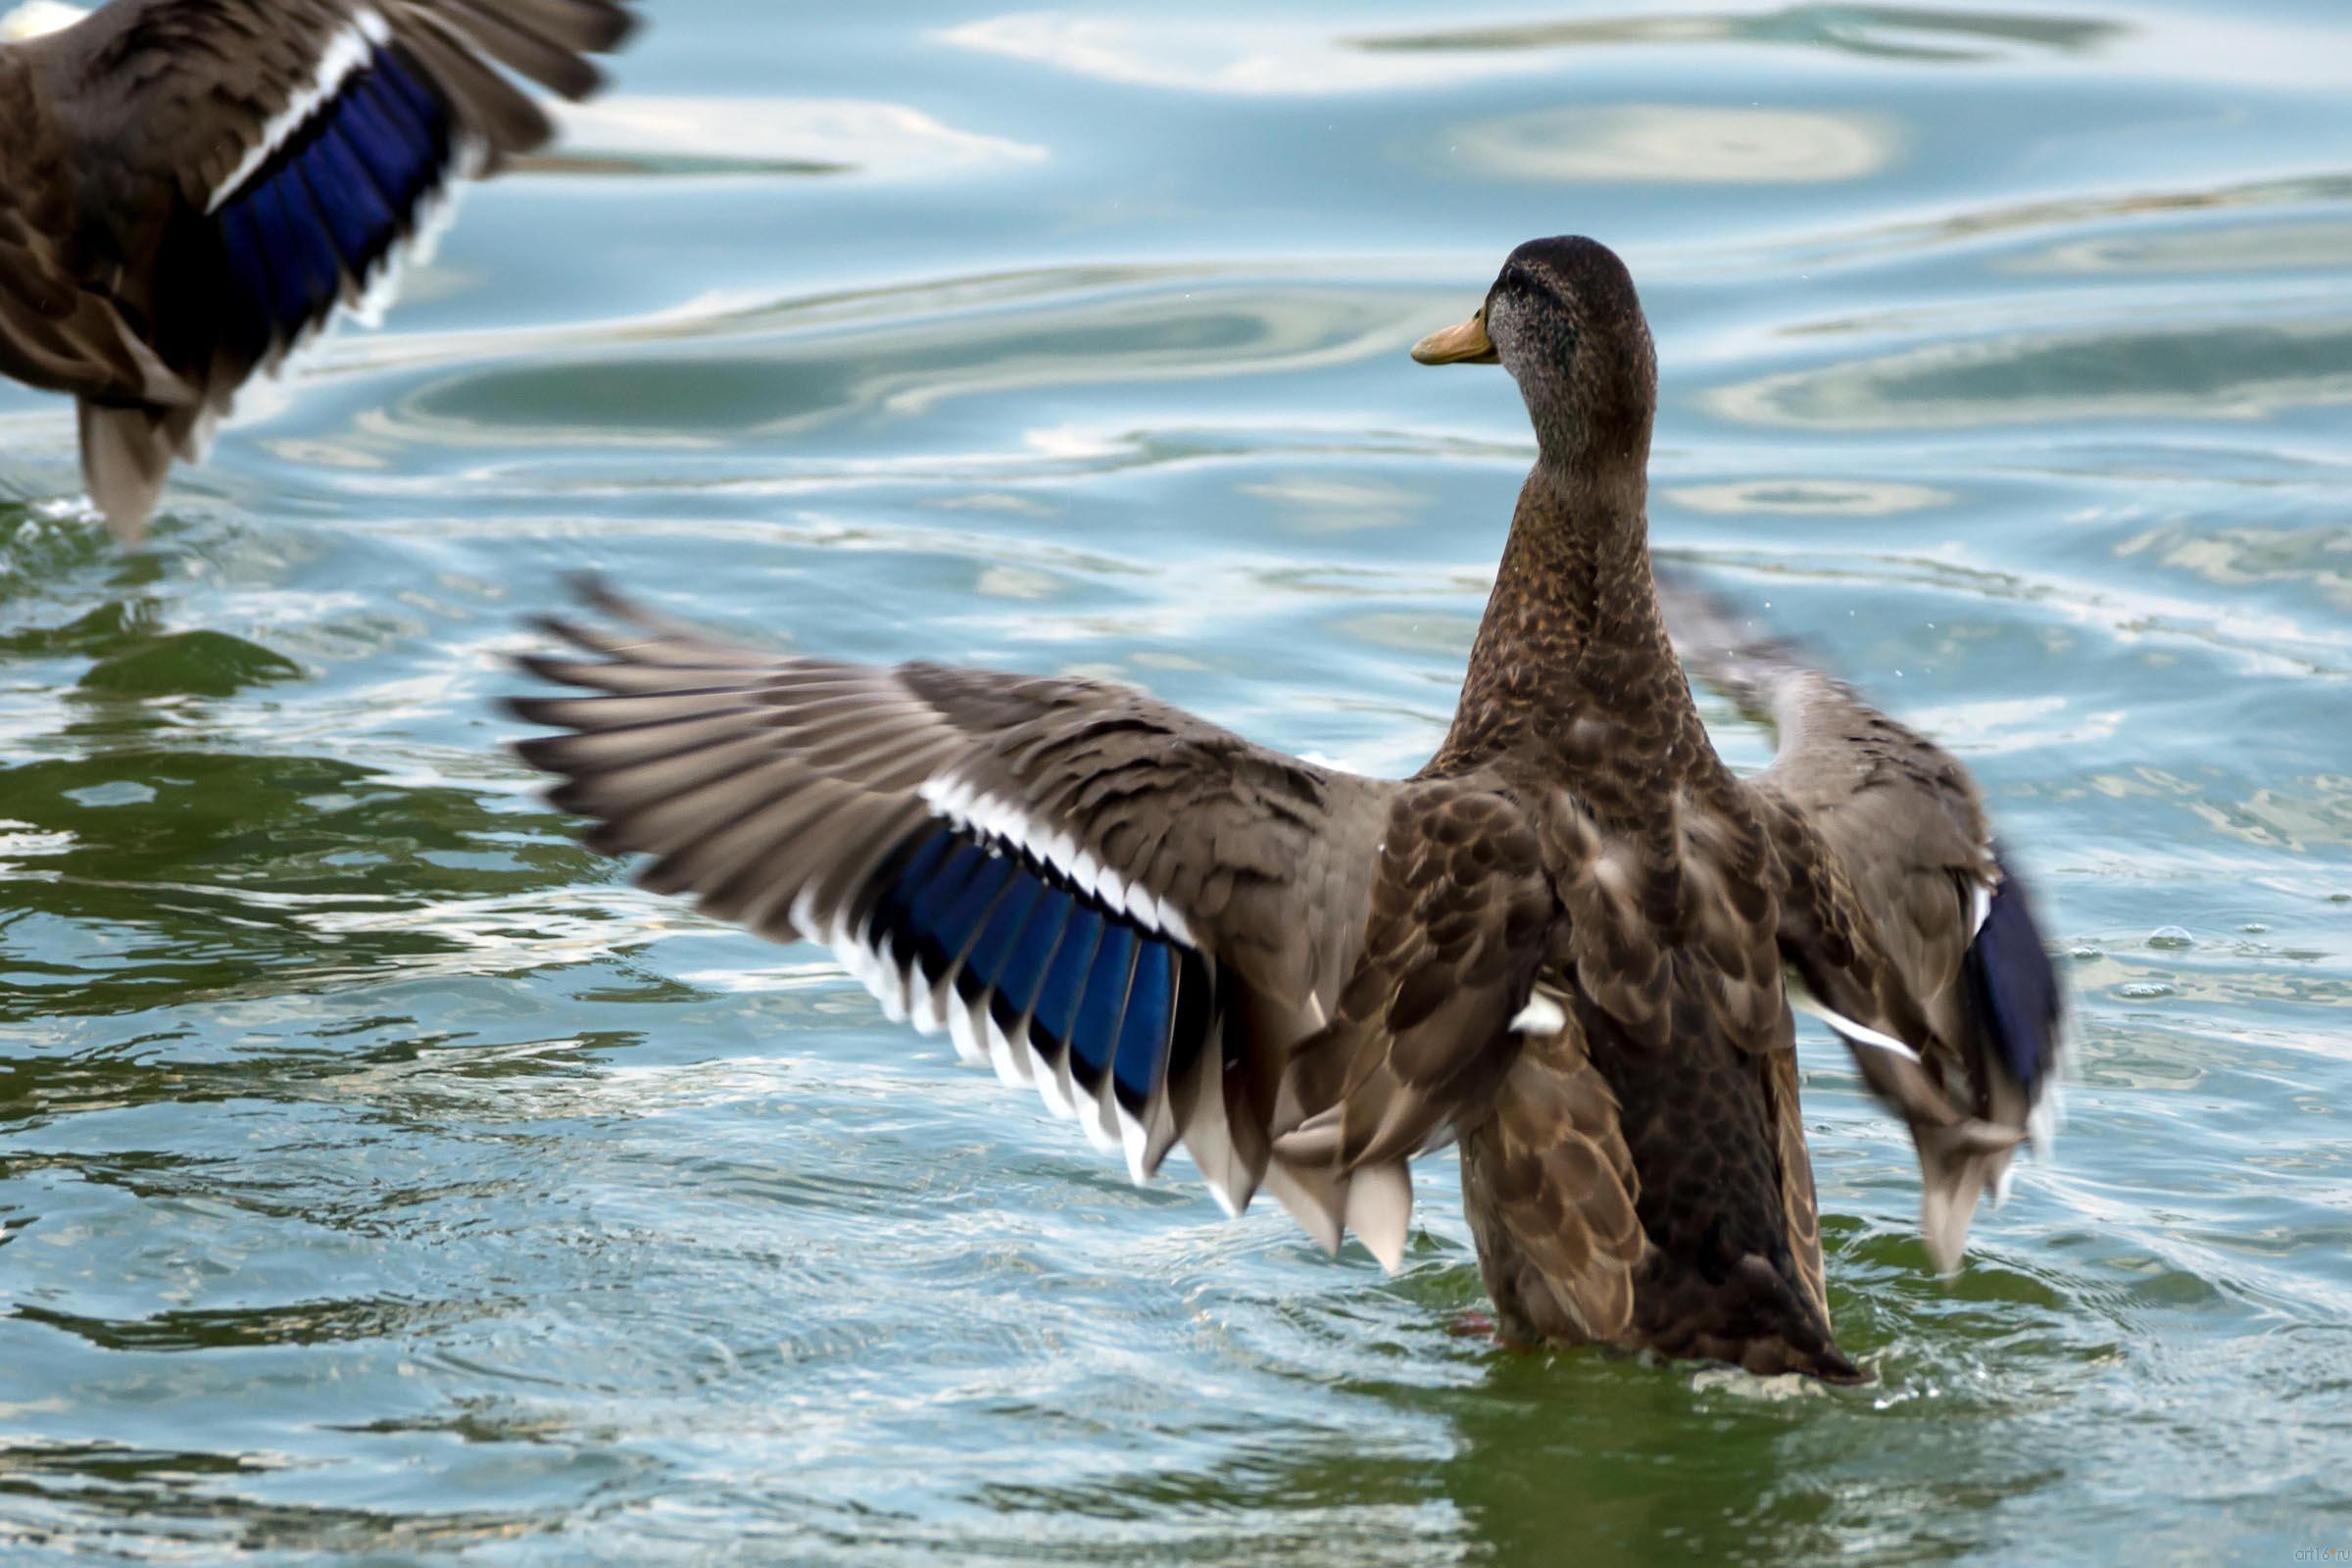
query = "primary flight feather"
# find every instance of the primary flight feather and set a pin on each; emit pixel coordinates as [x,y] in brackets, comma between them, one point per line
[190,189]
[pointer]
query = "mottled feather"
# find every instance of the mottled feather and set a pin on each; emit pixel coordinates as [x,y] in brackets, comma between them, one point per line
[1550,1189]
[191,188]
[1356,945]
[1894,877]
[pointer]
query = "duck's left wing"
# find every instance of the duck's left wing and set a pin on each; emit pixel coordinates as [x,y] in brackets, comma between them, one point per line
[1304,975]
[1914,939]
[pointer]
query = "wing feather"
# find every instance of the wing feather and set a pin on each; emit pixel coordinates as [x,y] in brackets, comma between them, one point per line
[1300,976]
[1903,922]
[1554,1192]
[190,189]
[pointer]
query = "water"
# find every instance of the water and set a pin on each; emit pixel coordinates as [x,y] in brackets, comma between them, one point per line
[384,1180]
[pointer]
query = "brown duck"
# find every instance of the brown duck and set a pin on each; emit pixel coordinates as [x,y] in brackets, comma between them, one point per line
[1562,943]
[191,188]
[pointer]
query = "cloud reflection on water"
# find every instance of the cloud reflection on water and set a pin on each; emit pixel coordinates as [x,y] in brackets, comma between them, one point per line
[1679,144]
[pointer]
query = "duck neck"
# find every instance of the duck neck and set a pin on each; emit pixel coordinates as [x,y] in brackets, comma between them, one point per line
[1573,671]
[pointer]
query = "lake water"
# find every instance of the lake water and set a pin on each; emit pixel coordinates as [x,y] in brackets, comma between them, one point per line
[382,1179]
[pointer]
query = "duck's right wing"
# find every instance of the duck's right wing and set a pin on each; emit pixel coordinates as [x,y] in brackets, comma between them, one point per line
[1913,936]
[1303,976]
[189,188]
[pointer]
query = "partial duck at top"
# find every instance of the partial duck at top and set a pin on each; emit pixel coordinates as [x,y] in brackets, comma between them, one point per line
[1569,943]
[191,188]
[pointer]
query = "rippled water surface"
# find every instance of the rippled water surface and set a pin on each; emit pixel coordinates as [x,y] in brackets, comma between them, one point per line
[382,1179]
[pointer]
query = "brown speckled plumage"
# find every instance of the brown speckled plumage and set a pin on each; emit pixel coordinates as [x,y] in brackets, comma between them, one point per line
[127,137]
[1561,942]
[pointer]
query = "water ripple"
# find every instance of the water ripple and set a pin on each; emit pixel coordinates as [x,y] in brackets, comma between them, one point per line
[386,1179]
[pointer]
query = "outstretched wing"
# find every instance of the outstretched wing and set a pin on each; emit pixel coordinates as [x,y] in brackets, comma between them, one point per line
[1916,941]
[1302,975]
[193,188]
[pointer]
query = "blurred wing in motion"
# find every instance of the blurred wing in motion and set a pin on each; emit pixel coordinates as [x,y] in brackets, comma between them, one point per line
[1911,936]
[1302,975]
[189,189]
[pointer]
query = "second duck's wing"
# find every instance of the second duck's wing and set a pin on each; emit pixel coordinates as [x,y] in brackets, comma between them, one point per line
[1902,919]
[189,188]
[1303,976]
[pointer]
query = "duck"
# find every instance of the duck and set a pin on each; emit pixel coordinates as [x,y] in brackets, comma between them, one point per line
[192,189]
[1569,944]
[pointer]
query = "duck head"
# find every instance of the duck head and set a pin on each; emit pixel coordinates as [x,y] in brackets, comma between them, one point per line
[1563,318]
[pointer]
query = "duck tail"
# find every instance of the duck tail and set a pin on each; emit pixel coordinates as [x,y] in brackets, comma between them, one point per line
[1759,1320]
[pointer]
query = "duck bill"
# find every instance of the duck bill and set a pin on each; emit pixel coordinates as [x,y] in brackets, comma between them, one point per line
[1465,343]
